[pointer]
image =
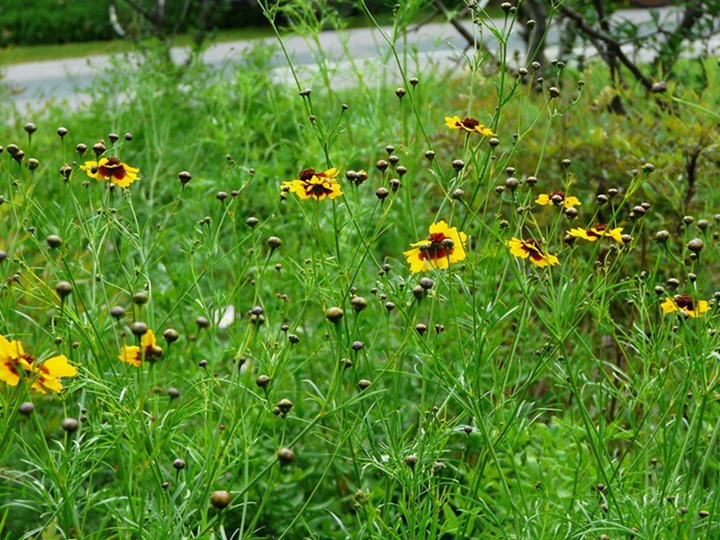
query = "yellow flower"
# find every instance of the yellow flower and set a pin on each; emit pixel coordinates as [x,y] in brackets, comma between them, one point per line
[444,245]
[468,124]
[531,249]
[148,351]
[44,376]
[111,169]
[598,231]
[557,198]
[315,185]
[684,304]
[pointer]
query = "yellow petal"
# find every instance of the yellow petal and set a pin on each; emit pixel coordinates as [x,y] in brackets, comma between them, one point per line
[131,355]
[668,306]
[569,202]
[452,122]
[58,366]
[543,200]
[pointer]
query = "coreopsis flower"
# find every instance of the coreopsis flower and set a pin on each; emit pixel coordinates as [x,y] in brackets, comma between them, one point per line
[444,245]
[531,249]
[683,303]
[558,198]
[468,124]
[15,364]
[111,169]
[148,351]
[599,230]
[312,184]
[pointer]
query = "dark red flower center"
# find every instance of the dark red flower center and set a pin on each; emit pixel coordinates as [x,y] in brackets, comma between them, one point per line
[317,190]
[683,301]
[112,168]
[469,123]
[307,174]
[440,246]
[595,229]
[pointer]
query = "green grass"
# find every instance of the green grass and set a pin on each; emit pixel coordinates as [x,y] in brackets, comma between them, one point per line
[505,400]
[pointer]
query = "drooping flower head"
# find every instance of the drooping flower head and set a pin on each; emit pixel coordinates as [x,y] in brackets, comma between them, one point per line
[599,230]
[15,364]
[444,245]
[111,169]
[468,124]
[531,249]
[683,303]
[558,198]
[149,351]
[312,184]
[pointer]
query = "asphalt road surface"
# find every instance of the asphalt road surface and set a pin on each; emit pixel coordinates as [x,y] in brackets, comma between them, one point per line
[33,84]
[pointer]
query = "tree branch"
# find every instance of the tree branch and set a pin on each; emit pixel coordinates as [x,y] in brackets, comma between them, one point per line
[611,44]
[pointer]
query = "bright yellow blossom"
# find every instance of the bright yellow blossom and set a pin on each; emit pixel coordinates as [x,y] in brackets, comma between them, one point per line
[468,124]
[15,364]
[111,169]
[598,231]
[444,245]
[149,351]
[558,198]
[531,249]
[683,303]
[312,184]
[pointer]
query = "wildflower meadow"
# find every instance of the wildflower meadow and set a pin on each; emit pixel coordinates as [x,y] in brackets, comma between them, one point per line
[445,299]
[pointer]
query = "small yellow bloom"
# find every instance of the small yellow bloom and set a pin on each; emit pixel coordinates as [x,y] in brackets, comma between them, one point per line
[444,245]
[16,363]
[558,198]
[531,249]
[468,124]
[312,184]
[111,169]
[598,231]
[683,303]
[148,351]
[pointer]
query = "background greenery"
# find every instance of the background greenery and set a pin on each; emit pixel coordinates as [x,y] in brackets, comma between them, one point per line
[538,404]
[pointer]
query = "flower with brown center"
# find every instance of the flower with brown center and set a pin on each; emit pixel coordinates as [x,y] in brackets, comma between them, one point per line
[111,169]
[444,245]
[312,184]
[15,364]
[149,351]
[683,303]
[558,198]
[599,230]
[531,249]
[468,124]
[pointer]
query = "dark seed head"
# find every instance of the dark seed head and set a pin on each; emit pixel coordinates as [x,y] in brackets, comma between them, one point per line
[429,155]
[274,242]
[662,236]
[334,314]
[458,164]
[411,461]
[173,393]
[140,298]
[117,311]
[695,245]
[202,322]
[220,499]
[54,241]
[70,425]
[63,288]
[363,384]
[263,381]
[420,328]
[184,177]
[357,346]
[98,148]
[358,303]
[139,328]
[382,193]
[285,456]
[26,408]
[171,335]
[179,464]
[426,283]
[252,222]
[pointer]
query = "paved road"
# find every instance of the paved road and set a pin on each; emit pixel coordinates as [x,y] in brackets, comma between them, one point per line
[35,83]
